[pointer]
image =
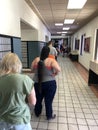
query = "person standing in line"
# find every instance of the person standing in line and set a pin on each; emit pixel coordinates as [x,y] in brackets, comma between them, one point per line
[45,69]
[53,52]
[15,88]
[64,49]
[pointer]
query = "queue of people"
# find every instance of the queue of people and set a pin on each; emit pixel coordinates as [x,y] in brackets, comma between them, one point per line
[18,91]
[56,49]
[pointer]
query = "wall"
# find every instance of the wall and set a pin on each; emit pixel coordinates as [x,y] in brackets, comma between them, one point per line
[29,35]
[33,49]
[89,30]
[57,37]
[16,46]
[11,12]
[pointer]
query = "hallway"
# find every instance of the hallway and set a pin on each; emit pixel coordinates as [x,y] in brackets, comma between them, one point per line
[75,105]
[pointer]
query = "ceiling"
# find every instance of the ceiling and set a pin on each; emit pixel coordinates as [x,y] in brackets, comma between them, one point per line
[55,11]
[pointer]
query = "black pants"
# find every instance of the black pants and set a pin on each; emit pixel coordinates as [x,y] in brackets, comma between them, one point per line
[48,92]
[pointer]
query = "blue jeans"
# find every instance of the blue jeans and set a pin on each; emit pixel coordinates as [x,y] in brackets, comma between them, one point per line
[7,126]
[47,93]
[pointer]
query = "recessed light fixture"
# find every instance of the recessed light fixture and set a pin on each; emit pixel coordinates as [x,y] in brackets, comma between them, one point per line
[68,21]
[59,32]
[76,4]
[58,24]
[64,32]
[66,28]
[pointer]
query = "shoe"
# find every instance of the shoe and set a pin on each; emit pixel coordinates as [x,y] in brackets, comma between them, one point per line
[53,117]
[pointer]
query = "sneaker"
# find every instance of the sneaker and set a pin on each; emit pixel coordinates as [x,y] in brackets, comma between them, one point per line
[53,117]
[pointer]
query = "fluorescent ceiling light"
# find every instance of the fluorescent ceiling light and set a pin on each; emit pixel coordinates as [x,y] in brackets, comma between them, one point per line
[64,32]
[59,32]
[68,21]
[58,24]
[76,4]
[66,28]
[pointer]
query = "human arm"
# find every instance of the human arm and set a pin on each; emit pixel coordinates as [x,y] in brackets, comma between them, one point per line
[32,97]
[34,64]
[55,67]
[55,51]
[29,91]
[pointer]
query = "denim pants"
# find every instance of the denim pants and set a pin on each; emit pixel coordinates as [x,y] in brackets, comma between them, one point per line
[7,126]
[48,93]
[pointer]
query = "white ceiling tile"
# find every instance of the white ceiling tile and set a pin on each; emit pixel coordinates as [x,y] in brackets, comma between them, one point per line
[52,11]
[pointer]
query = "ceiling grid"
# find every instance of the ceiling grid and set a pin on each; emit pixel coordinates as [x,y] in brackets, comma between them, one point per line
[55,11]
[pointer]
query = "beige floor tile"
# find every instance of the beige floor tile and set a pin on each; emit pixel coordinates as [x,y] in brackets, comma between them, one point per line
[75,105]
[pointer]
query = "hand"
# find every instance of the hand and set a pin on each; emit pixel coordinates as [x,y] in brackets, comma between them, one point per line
[55,73]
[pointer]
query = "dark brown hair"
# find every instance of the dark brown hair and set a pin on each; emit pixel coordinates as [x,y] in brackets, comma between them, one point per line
[49,43]
[44,54]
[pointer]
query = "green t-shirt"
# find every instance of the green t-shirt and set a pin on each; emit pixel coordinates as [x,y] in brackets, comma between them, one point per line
[14,88]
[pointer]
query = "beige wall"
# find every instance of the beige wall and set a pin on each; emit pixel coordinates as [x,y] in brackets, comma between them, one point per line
[12,11]
[29,35]
[89,30]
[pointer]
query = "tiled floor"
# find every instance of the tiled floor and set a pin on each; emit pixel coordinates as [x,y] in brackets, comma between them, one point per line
[75,105]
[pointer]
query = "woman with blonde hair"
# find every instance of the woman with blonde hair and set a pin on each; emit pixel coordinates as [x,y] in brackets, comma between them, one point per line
[14,89]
